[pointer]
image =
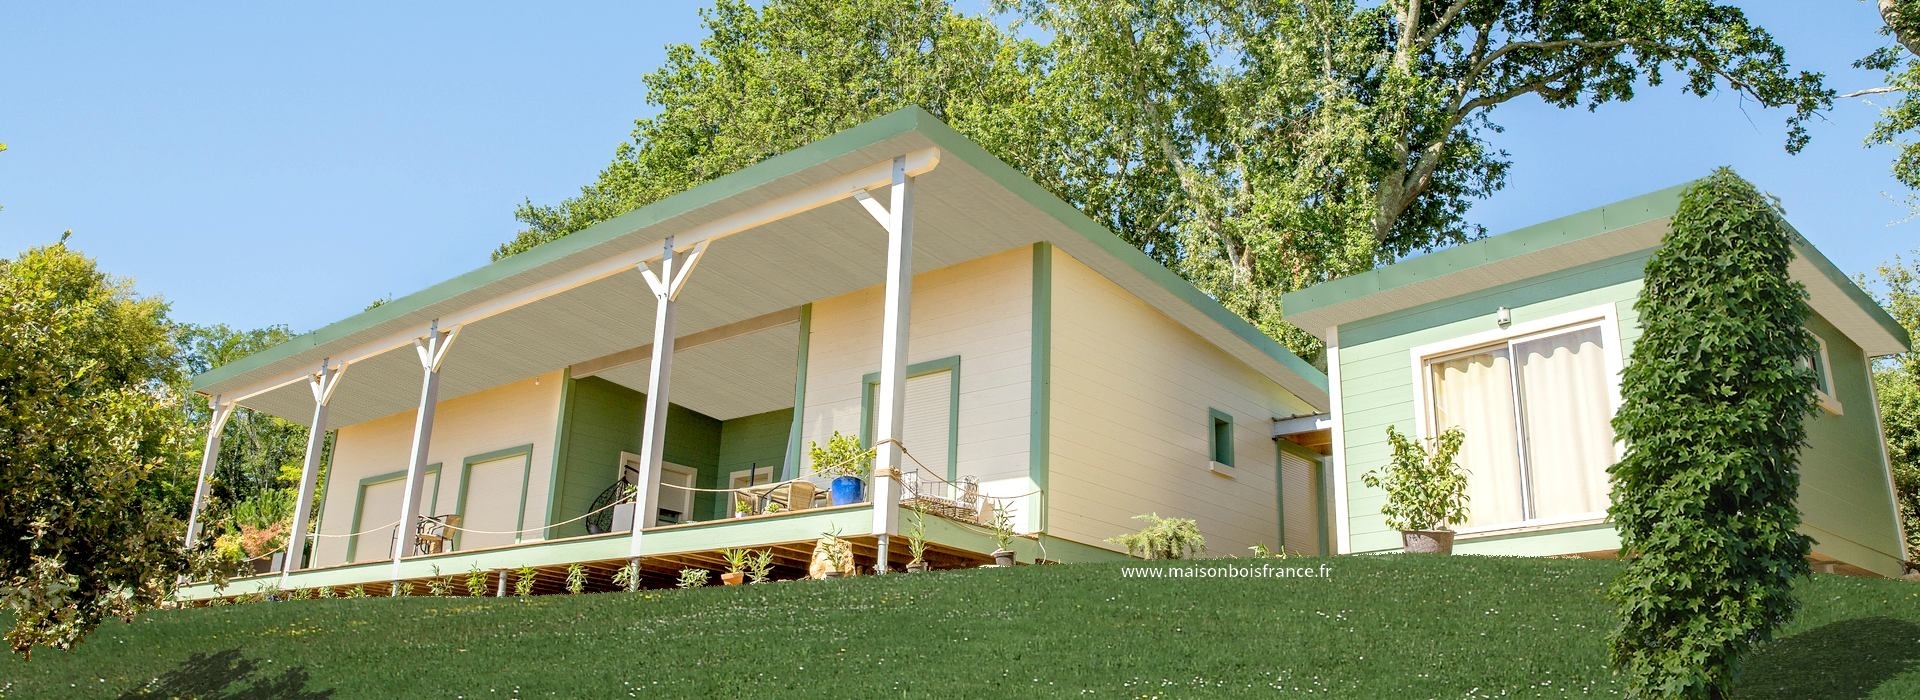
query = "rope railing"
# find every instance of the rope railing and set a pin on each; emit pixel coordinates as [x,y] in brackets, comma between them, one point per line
[357,534]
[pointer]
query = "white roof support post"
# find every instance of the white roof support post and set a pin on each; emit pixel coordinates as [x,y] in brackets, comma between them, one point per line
[432,350]
[322,383]
[653,428]
[216,422]
[891,401]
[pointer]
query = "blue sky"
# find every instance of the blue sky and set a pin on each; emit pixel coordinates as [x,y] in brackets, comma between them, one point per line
[289,164]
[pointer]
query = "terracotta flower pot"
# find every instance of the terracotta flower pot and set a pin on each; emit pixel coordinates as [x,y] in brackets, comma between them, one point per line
[733,579]
[1427,541]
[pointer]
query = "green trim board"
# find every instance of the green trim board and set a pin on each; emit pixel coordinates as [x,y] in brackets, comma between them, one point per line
[1040,385]
[1220,436]
[911,120]
[871,383]
[466,471]
[560,441]
[1634,211]
[360,499]
[791,466]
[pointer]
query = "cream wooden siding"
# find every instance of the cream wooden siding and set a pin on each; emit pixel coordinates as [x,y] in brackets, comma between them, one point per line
[1298,489]
[520,413]
[1131,393]
[980,311]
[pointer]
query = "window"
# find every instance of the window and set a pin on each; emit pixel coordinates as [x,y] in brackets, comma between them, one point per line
[932,418]
[1536,411]
[1822,367]
[1220,438]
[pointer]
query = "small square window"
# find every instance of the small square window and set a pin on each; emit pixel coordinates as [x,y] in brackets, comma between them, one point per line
[1822,367]
[1221,437]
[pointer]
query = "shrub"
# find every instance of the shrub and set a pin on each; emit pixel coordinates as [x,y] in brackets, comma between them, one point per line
[842,456]
[692,578]
[1426,488]
[476,582]
[523,580]
[1164,538]
[576,578]
[1712,412]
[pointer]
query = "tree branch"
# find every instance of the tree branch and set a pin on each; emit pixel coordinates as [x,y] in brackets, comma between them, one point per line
[1873,91]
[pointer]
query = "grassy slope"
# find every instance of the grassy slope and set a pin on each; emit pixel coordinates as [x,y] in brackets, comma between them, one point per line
[1404,627]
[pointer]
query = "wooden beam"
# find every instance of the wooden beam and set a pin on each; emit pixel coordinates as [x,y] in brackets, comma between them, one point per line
[777,319]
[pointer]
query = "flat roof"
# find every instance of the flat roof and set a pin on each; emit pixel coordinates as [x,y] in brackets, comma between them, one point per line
[1627,226]
[969,206]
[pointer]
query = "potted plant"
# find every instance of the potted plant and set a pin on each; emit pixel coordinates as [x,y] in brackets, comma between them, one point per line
[736,566]
[844,461]
[742,506]
[1002,537]
[917,542]
[1426,490]
[832,557]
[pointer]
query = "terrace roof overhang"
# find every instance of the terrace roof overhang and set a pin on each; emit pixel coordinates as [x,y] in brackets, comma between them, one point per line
[784,232]
[1622,228]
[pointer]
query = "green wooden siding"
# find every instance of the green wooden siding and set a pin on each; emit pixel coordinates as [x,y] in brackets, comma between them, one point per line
[603,420]
[1844,493]
[748,441]
[1845,501]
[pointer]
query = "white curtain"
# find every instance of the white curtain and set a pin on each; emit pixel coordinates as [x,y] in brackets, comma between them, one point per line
[1475,393]
[1565,409]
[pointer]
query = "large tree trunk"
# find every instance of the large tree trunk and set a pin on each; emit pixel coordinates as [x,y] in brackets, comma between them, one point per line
[1906,28]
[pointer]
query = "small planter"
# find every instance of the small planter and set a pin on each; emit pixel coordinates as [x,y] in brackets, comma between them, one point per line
[733,579]
[1003,557]
[1427,541]
[918,567]
[831,574]
[848,490]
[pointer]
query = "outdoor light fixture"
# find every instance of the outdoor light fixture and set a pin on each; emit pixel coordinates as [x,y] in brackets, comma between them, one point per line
[1504,317]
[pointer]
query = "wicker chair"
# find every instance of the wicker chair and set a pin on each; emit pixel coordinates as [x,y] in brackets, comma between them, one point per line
[433,535]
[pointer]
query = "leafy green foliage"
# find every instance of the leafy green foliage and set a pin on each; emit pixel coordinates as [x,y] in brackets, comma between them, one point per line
[627,577]
[523,580]
[1713,409]
[1901,62]
[692,578]
[576,578]
[1426,487]
[1164,538]
[1253,146]
[260,455]
[841,456]
[91,447]
[760,566]
[476,582]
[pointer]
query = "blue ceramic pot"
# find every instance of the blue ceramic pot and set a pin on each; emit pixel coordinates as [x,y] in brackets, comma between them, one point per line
[848,490]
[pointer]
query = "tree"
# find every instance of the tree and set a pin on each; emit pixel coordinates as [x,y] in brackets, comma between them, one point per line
[1713,410]
[1318,138]
[258,449]
[1253,146]
[770,79]
[91,449]
[1901,62]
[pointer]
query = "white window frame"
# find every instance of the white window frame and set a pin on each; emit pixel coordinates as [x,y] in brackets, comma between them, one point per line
[1827,396]
[1605,317]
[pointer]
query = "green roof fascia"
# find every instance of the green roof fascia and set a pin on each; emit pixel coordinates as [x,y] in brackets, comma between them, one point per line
[908,120]
[705,194]
[1651,206]
[1026,189]
[1854,293]
[1486,251]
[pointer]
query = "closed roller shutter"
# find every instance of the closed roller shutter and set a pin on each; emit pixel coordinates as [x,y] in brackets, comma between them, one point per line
[929,427]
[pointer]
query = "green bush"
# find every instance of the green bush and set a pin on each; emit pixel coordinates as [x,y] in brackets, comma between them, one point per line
[1164,538]
[1712,412]
[841,456]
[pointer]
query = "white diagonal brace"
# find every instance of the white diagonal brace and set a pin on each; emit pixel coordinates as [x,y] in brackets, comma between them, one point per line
[432,350]
[686,269]
[215,423]
[322,383]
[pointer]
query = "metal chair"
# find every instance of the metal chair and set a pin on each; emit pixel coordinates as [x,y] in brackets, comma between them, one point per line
[433,535]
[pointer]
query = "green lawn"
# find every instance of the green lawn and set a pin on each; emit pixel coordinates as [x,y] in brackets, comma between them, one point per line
[1380,627]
